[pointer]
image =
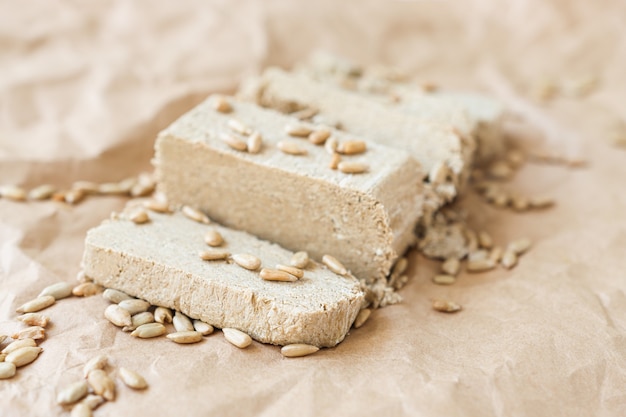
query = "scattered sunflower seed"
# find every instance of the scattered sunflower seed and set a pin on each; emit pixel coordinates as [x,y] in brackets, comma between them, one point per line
[480,265]
[86,289]
[238,127]
[334,265]
[182,323]
[157,206]
[443,279]
[221,104]
[540,202]
[296,272]
[18,344]
[118,316]
[185,337]
[72,393]
[451,266]
[97,362]
[213,255]
[234,142]
[81,410]
[247,261]
[300,130]
[32,332]
[297,350]
[446,306]
[58,291]
[149,330]
[42,192]
[23,356]
[139,216]
[93,401]
[255,142]
[352,167]
[319,136]
[362,317]
[205,329]
[496,254]
[237,337]
[331,145]
[163,315]
[300,259]
[7,370]
[352,147]
[37,304]
[213,238]
[115,296]
[74,196]
[101,384]
[519,246]
[509,259]
[291,148]
[132,379]
[139,319]
[12,192]
[195,214]
[134,306]
[276,275]
[484,240]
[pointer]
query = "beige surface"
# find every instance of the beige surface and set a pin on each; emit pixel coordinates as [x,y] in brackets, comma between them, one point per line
[85,88]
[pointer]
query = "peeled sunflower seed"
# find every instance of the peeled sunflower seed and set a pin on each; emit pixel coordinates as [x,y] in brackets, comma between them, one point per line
[34,319]
[115,296]
[7,370]
[37,304]
[298,350]
[138,320]
[13,346]
[41,192]
[139,216]
[204,328]
[480,265]
[195,214]
[163,315]
[334,265]
[58,291]
[118,315]
[12,192]
[101,384]
[72,393]
[277,275]
[519,246]
[509,259]
[132,379]
[213,238]
[185,337]
[134,306]
[149,330]
[32,332]
[247,261]
[182,323]
[23,356]
[446,306]
[362,317]
[81,410]
[93,401]
[97,362]
[296,272]
[451,266]
[237,337]
[443,279]
[86,289]
[299,259]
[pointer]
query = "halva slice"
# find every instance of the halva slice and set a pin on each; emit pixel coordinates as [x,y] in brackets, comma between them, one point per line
[363,212]
[159,261]
[434,145]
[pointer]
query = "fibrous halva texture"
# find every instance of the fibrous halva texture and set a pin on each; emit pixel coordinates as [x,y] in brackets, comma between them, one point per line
[158,261]
[366,220]
[429,142]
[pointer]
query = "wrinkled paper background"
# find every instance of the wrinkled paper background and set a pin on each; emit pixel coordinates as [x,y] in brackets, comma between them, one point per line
[85,86]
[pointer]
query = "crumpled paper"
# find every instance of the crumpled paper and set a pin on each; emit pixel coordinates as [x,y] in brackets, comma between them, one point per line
[85,87]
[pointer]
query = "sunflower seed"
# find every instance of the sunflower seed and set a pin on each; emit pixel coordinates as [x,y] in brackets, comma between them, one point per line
[352,167]
[32,332]
[401,282]
[276,275]
[446,306]
[42,192]
[23,356]
[213,238]
[221,104]
[132,379]
[204,328]
[7,370]
[234,142]
[247,261]
[300,259]
[127,184]
[138,320]
[478,255]
[496,254]
[185,337]
[97,362]
[149,330]
[297,272]
[319,136]
[139,216]
[118,315]
[300,130]
[362,317]
[58,291]
[81,410]
[484,240]
[157,206]
[291,148]
[74,196]
[480,265]
[134,306]
[334,161]
[115,296]
[12,192]
[331,145]
[110,188]
[86,289]
[237,337]
[520,203]
[541,202]
[18,344]
[195,214]
[93,401]
[334,265]
[451,266]
[213,255]
[509,259]
[101,384]
[163,315]
[37,304]
[238,127]
[519,246]
[443,279]
[72,393]
[352,147]
[182,323]
[297,350]
[305,114]
[255,142]
[81,277]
